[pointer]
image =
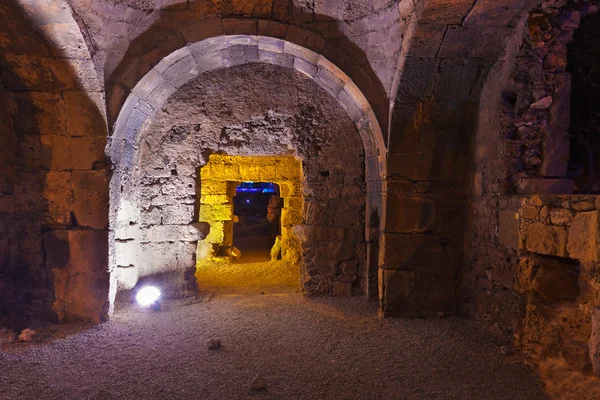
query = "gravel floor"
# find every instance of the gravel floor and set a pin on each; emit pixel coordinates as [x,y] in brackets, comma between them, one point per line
[324,348]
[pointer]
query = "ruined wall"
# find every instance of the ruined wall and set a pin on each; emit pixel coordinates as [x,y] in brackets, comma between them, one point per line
[537,103]
[530,276]
[250,110]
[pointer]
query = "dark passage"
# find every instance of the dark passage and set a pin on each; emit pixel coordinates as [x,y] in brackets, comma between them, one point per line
[258,208]
[584,66]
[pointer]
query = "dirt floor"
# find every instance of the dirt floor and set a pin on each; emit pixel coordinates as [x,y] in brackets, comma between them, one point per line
[298,347]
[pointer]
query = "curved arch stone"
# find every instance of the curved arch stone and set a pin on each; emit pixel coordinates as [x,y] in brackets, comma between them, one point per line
[185,64]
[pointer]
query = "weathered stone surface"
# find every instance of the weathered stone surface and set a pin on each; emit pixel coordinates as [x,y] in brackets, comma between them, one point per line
[544,239]
[561,216]
[584,237]
[407,252]
[546,186]
[90,198]
[446,11]
[595,341]
[560,111]
[542,104]
[428,39]
[508,233]
[556,153]
[547,278]
[410,215]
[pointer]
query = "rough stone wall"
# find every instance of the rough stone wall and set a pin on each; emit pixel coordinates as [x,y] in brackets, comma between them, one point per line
[254,110]
[536,277]
[447,55]
[536,109]
[530,276]
[54,182]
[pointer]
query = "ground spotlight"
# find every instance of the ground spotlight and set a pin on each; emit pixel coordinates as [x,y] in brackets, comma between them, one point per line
[148,296]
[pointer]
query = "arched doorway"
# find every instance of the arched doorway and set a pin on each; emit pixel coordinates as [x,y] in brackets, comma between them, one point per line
[244,96]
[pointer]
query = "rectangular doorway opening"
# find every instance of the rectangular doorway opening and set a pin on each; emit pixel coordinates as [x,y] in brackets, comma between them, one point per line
[257,222]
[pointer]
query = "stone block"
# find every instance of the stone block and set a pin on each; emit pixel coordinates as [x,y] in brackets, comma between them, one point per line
[418,79]
[181,72]
[492,13]
[305,67]
[59,197]
[545,239]
[148,83]
[547,278]
[206,46]
[545,186]
[56,248]
[81,297]
[508,229]
[404,127]
[561,216]
[409,214]
[161,93]
[458,78]
[584,237]
[595,341]
[446,11]
[329,82]
[88,251]
[427,40]
[283,60]
[262,9]
[282,10]
[241,40]
[457,42]
[170,233]
[270,44]
[530,212]
[272,29]
[178,214]
[407,252]
[208,186]
[353,110]
[90,198]
[301,53]
[215,199]
[221,212]
[84,117]
[39,113]
[560,110]
[74,153]
[576,354]
[556,153]
[203,30]
[490,42]
[398,297]
[342,288]
[239,55]
[173,58]
[220,232]
[305,38]
[240,26]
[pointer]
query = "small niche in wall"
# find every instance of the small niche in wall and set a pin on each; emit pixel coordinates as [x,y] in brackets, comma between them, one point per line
[552,278]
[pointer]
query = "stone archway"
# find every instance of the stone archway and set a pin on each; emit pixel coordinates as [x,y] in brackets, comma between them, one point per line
[190,62]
